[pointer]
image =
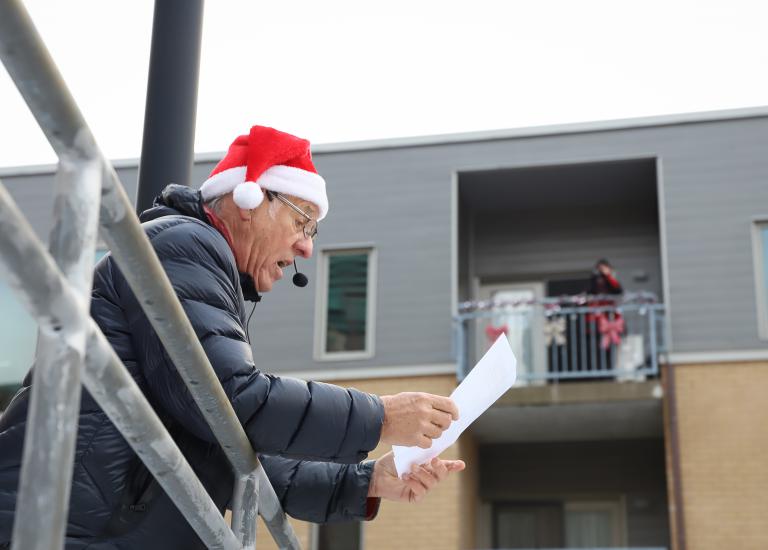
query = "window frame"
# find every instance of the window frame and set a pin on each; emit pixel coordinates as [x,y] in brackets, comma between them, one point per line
[761,267]
[321,303]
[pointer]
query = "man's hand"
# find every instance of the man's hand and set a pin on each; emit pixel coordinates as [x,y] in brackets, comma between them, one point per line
[415,485]
[415,418]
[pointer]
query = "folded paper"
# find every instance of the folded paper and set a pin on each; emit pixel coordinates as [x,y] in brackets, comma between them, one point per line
[493,375]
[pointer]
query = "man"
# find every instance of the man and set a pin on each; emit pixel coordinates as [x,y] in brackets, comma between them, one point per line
[219,246]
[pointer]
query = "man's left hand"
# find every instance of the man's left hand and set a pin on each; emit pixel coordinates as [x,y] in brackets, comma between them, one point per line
[414,485]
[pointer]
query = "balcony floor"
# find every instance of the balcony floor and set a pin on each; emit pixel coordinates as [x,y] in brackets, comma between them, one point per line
[581,411]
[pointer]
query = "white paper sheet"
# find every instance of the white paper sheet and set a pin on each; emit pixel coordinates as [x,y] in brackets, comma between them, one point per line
[493,375]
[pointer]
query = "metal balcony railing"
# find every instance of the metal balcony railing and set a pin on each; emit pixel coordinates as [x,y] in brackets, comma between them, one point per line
[578,337]
[55,288]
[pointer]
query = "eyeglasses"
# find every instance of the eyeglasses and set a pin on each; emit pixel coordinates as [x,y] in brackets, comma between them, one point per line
[309,227]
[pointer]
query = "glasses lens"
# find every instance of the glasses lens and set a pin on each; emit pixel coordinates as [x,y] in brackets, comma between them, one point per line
[310,229]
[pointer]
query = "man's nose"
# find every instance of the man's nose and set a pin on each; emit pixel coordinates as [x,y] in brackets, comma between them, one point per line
[304,247]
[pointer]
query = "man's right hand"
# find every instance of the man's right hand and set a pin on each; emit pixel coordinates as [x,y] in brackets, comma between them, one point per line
[415,418]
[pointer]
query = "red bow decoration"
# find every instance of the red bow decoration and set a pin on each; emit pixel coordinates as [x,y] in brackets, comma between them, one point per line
[493,333]
[611,331]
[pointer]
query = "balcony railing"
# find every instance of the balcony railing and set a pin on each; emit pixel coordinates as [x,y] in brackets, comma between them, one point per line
[577,337]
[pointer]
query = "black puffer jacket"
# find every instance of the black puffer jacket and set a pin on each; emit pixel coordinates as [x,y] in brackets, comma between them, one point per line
[115,503]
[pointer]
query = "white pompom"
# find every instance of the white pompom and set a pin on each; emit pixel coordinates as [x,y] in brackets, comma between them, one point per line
[248,195]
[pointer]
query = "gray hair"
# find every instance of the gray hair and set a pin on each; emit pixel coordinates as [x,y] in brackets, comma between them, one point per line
[214,203]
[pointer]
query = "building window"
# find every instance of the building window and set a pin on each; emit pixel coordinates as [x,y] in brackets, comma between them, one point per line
[346,304]
[560,524]
[345,535]
[760,247]
[18,336]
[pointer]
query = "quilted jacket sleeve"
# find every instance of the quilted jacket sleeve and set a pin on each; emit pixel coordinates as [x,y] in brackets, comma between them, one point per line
[281,416]
[320,492]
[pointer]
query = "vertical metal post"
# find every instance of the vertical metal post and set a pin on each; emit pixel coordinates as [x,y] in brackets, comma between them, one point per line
[564,354]
[553,352]
[169,117]
[552,359]
[652,335]
[583,341]
[245,509]
[593,346]
[573,365]
[273,515]
[461,349]
[48,455]
[51,429]
[603,358]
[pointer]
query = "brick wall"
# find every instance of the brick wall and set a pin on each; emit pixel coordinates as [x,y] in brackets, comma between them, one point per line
[722,423]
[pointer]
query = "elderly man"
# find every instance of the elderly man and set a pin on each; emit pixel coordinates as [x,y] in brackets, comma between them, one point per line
[219,246]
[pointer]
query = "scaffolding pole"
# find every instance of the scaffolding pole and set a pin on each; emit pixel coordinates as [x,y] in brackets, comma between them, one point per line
[51,300]
[37,78]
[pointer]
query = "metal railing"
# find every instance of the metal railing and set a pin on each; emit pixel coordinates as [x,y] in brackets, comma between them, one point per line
[567,338]
[55,288]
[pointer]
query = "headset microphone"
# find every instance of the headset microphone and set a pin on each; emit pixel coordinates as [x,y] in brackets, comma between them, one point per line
[299,279]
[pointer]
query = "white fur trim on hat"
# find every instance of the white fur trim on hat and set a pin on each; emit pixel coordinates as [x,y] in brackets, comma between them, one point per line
[297,182]
[248,195]
[223,182]
[282,179]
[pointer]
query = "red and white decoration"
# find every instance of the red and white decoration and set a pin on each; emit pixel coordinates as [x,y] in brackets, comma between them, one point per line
[267,159]
[611,330]
[493,333]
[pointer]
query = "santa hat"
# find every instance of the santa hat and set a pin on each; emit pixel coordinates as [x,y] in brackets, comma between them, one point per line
[267,159]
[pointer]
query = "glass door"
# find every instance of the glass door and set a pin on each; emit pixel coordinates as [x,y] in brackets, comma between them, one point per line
[521,321]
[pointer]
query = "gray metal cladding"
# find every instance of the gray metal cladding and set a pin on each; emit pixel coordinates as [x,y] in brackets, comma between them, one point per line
[712,182]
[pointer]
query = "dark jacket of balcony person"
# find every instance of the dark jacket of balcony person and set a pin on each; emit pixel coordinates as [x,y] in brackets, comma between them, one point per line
[220,246]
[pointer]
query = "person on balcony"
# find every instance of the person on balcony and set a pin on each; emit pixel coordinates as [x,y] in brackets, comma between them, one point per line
[603,280]
[606,325]
[224,244]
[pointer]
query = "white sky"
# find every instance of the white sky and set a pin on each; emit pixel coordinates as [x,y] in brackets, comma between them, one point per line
[341,71]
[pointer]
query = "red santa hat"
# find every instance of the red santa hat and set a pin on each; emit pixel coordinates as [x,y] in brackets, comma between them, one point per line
[267,159]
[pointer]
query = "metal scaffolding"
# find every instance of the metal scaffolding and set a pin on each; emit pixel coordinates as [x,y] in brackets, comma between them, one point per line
[55,289]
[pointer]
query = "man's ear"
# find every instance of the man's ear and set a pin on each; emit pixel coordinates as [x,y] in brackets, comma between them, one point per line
[245,215]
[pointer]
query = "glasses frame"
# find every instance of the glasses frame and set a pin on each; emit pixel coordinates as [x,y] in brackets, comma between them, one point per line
[310,220]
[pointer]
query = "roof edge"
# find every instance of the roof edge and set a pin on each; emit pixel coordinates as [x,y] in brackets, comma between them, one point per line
[547,130]
[466,137]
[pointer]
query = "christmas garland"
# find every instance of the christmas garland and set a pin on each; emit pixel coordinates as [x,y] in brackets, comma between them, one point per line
[555,303]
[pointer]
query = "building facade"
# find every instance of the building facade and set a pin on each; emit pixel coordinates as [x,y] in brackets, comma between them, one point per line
[636,421]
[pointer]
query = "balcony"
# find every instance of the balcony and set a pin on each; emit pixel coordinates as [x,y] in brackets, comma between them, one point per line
[577,337]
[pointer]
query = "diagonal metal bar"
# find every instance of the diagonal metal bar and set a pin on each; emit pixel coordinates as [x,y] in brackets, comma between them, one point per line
[50,299]
[42,87]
